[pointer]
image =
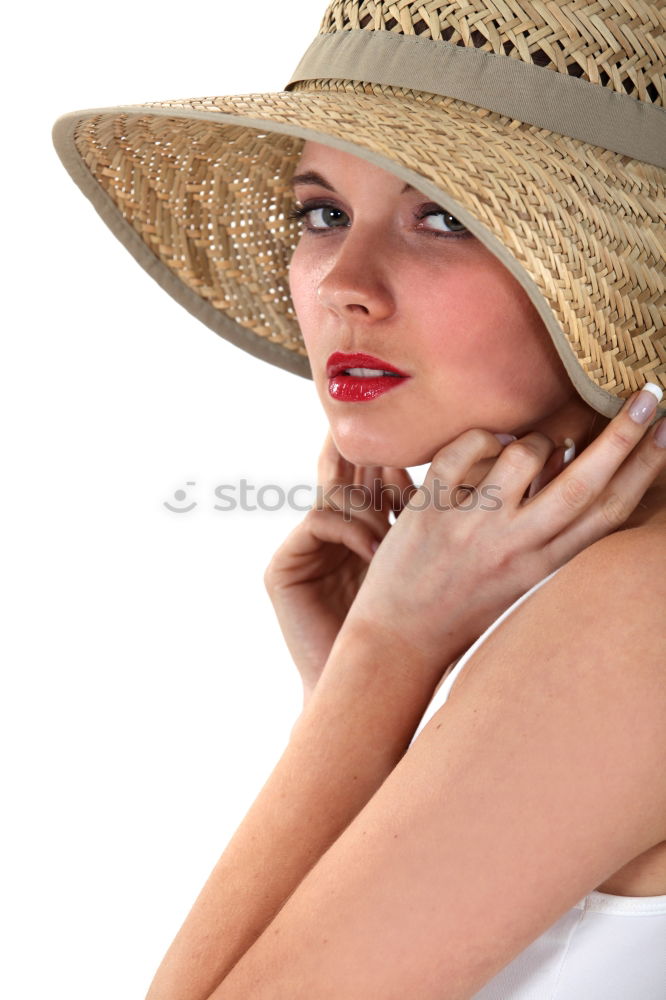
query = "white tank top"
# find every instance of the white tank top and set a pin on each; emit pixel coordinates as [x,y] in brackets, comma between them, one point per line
[605,948]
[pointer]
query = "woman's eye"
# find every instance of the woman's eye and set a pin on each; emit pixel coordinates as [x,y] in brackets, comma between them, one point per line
[442,221]
[327,217]
[319,218]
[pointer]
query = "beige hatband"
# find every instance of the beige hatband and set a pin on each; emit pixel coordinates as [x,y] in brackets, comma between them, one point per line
[519,90]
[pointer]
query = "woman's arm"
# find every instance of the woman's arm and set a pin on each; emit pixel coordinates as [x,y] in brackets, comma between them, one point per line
[354,729]
[538,778]
[381,674]
[353,732]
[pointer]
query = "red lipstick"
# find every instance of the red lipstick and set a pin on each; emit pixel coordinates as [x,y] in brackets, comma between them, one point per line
[361,386]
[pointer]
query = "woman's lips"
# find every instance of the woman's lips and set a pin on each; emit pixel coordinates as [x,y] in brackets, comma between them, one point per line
[352,389]
[358,378]
[340,362]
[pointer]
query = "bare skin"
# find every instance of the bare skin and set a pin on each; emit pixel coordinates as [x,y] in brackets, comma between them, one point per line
[377,270]
[302,902]
[408,304]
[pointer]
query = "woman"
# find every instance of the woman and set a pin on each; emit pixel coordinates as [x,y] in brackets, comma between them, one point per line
[477,287]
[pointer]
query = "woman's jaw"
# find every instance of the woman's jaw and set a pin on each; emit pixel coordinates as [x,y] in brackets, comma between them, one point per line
[395,440]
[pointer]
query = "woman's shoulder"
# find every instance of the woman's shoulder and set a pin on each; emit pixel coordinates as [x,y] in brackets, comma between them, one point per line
[625,567]
[601,611]
[614,586]
[623,570]
[628,564]
[597,628]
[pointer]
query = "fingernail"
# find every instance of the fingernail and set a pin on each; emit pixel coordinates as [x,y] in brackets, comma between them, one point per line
[645,403]
[570,452]
[374,546]
[506,438]
[660,434]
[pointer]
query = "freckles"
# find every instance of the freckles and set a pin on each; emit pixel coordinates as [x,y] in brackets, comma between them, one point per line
[303,289]
[304,284]
[306,273]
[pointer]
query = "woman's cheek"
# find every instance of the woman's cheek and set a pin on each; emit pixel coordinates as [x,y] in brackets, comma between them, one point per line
[303,284]
[295,280]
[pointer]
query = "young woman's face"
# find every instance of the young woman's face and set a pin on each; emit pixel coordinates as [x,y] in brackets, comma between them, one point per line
[383,271]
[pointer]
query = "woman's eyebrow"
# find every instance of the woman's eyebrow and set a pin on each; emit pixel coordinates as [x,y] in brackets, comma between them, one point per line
[312,177]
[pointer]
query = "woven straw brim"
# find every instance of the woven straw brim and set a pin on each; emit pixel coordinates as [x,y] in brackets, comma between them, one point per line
[198,190]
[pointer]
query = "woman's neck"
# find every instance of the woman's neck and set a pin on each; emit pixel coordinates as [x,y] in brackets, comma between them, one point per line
[575,420]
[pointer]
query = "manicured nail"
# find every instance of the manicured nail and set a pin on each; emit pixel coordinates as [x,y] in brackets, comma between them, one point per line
[570,452]
[660,434]
[645,403]
[506,438]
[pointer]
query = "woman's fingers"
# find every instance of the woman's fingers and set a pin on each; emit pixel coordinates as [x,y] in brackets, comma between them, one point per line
[332,469]
[616,502]
[584,480]
[562,455]
[329,526]
[373,490]
[302,557]
[454,465]
[392,487]
[522,467]
[562,506]
[335,477]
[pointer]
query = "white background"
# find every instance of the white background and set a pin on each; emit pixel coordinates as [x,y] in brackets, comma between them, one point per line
[146,690]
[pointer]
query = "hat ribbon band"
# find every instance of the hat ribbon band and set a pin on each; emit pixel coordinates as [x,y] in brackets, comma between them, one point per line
[531,94]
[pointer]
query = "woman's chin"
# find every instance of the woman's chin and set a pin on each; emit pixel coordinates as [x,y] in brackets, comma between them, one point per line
[361,451]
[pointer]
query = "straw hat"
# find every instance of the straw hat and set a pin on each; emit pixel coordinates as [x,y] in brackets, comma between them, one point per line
[539,125]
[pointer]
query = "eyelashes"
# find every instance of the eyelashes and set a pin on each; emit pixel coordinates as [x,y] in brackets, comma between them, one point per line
[302,212]
[425,211]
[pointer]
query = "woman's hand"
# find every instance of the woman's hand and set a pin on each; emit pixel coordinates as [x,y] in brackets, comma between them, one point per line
[315,575]
[441,576]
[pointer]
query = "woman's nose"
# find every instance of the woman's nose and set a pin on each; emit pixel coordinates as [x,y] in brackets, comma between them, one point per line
[357,283]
